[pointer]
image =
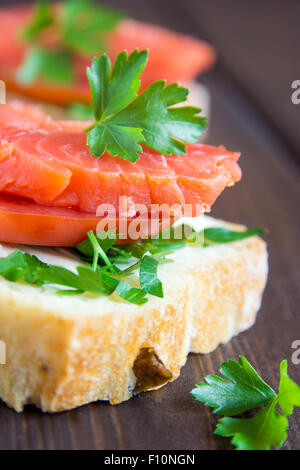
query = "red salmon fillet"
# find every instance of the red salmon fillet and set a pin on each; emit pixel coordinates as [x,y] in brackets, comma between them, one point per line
[49,162]
[190,58]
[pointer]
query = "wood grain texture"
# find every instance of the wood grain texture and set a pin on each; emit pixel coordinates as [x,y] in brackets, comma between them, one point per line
[258,44]
[249,107]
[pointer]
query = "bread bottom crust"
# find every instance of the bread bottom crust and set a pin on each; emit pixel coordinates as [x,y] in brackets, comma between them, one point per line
[61,355]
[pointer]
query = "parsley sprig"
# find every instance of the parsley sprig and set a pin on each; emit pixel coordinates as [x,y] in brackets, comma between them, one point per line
[241,390]
[80,26]
[124,119]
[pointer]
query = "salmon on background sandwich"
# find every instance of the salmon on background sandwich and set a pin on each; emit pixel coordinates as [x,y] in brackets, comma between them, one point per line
[45,48]
[107,307]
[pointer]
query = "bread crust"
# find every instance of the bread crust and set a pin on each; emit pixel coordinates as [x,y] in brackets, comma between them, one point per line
[64,352]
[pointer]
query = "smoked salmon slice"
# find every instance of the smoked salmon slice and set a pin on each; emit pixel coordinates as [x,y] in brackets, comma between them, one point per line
[49,163]
[172,56]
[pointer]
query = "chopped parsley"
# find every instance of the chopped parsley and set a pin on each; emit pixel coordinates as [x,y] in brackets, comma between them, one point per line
[131,271]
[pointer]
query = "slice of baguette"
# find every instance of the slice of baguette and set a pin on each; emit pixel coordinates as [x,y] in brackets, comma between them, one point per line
[63,352]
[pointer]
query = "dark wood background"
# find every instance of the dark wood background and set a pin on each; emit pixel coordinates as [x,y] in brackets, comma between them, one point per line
[258,44]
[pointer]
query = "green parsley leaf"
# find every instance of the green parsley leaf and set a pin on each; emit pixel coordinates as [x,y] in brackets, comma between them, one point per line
[84,25]
[118,256]
[113,91]
[86,280]
[164,127]
[58,275]
[148,276]
[125,120]
[223,235]
[90,281]
[30,271]
[131,294]
[39,63]
[42,18]
[242,391]
[117,140]
[266,429]
[289,391]
[20,265]
[13,266]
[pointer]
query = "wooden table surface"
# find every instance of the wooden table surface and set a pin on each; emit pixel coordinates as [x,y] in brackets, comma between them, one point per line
[258,45]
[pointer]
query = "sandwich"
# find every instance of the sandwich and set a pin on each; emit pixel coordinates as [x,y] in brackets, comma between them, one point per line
[110,271]
[45,49]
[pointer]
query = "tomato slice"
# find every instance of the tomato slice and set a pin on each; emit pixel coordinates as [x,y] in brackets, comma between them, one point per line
[27,223]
